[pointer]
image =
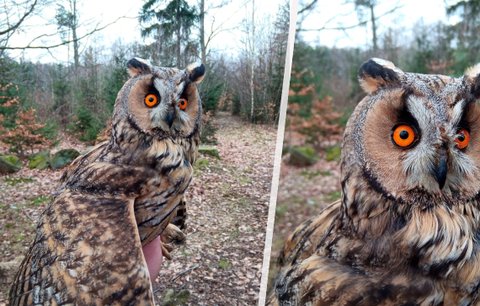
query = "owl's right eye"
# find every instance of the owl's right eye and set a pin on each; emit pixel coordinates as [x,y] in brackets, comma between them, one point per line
[404,135]
[151,100]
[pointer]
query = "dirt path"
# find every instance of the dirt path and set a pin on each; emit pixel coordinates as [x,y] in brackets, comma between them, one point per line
[227,206]
[220,264]
[303,192]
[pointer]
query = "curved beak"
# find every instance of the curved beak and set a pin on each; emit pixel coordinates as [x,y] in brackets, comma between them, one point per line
[440,170]
[170,116]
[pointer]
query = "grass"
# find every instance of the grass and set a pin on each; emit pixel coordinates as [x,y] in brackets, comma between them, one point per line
[244,180]
[201,164]
[308,174]
[41,199]
[13,181]
[333,196]
[281,210]
[224,264]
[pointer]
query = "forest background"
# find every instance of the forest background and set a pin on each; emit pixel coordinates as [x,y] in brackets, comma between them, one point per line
[332,41]
[62,64]
[76,94]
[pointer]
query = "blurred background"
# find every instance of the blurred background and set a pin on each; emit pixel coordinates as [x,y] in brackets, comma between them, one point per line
[333,38]
[62,64]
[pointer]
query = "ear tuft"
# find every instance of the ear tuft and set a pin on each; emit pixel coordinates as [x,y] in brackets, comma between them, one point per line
[196,72]
[376,73]
[137,66]
[472,75]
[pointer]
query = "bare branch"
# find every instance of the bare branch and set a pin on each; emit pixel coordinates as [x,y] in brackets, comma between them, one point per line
[342,28]
[307,7]
[19,22]
[66,42]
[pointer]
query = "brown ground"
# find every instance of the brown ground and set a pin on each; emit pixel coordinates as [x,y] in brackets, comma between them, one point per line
[303,192]
[220,264]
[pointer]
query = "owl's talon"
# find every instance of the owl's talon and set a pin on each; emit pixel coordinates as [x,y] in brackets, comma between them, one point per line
[166,251]
[172,234]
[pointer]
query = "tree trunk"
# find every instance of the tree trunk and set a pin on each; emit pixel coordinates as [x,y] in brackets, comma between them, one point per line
[252,64]
[76,56]
[202,32]
[374,29]
[179,38]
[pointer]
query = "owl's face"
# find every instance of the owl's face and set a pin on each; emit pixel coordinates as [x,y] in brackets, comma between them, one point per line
[160,101]
[417,136]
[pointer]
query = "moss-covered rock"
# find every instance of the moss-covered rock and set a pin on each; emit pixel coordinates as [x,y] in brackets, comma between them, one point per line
[9,164]
[209,150]
[63,158]
[39,161]
[333,153]
[302,156]
[172,298]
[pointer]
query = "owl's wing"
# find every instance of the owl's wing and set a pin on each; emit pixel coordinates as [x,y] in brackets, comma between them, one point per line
[303,241]
[86,251]
[180,219]
[83,160]
[307,276]
[320,280]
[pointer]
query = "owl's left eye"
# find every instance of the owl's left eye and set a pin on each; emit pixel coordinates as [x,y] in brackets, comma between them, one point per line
[404,135]
[462,138]
[151,100]
[182,104]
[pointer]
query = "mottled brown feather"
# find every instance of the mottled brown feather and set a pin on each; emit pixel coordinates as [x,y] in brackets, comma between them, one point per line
[114,199]
[398,236]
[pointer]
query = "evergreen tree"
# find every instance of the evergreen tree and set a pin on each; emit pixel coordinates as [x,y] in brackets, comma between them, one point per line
[170,24]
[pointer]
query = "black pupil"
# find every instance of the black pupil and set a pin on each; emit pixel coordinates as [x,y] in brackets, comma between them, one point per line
[404,134]
[150,99]
[461,137]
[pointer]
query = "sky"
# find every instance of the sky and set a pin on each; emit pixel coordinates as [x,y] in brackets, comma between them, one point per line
[127,29]
[331,14]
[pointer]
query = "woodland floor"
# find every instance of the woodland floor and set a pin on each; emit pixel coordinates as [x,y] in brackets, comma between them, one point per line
[303,192]
[227,203]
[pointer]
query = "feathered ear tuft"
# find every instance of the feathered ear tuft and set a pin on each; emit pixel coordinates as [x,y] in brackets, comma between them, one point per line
[472,78]
[196,72]
[137,66]
[376,73]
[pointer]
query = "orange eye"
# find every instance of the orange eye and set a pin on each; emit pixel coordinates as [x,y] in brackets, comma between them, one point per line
[462,138]
[403,135]
[182,104]
[151,100]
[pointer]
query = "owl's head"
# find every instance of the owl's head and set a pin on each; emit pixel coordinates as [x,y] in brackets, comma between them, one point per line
[416,134]
[159,101]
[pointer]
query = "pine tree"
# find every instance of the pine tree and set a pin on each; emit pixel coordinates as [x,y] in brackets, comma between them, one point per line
[171,27]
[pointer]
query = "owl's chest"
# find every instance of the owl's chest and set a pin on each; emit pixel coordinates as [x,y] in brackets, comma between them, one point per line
[163,193]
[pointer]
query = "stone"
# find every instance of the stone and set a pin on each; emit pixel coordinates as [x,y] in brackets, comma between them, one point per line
[63,158]
[302,156]
[10,164]
[39,160]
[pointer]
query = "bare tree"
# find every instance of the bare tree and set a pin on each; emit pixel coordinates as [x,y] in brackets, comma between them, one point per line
[67,18]
[369,5]
[252,64]
[12,15]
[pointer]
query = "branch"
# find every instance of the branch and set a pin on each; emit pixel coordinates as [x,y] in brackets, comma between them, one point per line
[307,7]
[343,28]
[15,26]
[29,46]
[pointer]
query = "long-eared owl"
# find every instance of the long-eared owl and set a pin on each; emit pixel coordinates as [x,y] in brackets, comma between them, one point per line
[406,230]
[119,196]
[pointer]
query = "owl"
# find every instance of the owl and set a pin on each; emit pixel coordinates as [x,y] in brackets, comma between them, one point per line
[118,197]
[407,228]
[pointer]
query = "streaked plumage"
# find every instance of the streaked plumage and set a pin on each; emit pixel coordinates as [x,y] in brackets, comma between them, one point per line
[120,195]
[406,231]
